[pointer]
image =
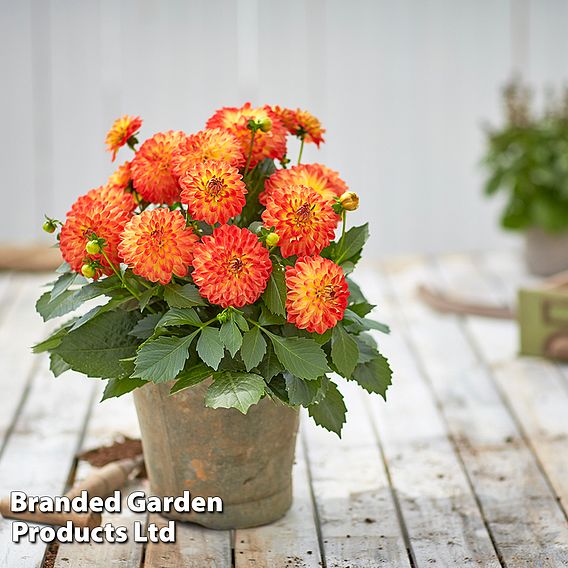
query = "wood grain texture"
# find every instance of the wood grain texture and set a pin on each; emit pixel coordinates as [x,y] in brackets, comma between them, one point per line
[525,520]
[442,518]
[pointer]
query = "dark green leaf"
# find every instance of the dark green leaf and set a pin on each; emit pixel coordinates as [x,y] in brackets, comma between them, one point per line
[186,296]
[97,347]
[253,348]
[275,294]
[270,366]
[231,336]
[119,387]
[235,390]
[57,365]
[54,339]
[367,347]
[268,318]
[374,376]
[192,376]
[352,245]
[210,347]
[301,357]
[64,282]
[161,360]
[145,327]
[147,295]
[361,308]
[277,389]
[344,351]
[304,393]
[180,316]
[330,411]
[64,303]
[105,287]
[240,321]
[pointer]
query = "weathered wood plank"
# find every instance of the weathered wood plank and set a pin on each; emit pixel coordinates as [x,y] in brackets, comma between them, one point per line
[108,420]
[442,519]
[354,501]
[526,523]
[290,540]
[533,388]
[40,451]
[195,547]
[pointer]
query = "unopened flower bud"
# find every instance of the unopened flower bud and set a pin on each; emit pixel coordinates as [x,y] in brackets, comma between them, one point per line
[265,124]
[93,247]
[349,201]
[88,271]
[223,316]
[272,239]
[49,226]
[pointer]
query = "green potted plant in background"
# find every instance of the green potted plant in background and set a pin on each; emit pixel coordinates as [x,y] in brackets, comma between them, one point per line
[226,303]
[528,159]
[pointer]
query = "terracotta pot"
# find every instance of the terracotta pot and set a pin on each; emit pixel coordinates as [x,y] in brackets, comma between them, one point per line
[244,459]
[546,253]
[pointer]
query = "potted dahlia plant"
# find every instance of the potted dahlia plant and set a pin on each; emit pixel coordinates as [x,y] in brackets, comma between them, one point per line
[218,293]
[528,159]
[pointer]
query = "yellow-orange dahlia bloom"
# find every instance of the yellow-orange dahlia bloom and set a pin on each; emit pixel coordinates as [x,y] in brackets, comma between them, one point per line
[231,267]
[121,178]
[156,244]
[315,176]
[122,129]
[214,144]
[301,123]
[86,219]
[213,191]
[105,195]
[304,220]
[151,165]
[316,293]
[270,144]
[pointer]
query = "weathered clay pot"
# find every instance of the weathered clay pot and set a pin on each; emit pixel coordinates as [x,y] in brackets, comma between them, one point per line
[244,459]
[546,253]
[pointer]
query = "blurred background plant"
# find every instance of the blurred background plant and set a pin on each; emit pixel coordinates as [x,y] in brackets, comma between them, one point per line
[527,158]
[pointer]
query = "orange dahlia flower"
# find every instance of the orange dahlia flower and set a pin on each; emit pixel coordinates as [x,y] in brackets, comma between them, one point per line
[315,176]
[304,219]
[121,178]
[317,293]
[270,144]
[122,129]
[87,219]
[231,267]
[150,168]
[213,191]
[157,244]
[301,123]
[102,196]
[214,144]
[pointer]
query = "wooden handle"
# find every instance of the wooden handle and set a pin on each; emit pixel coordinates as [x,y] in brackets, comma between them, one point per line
[89,519]
[100,483]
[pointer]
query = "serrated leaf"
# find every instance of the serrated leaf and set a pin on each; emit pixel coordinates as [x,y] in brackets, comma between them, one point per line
[301,392]
[63,268]
[147,295]
[367,348]
[350,247]
[361,308]
[253,348]
[57,365]
[235,390]
[240,321]
[268,318]
[118,387]
[274,296]
[64,303]
[192,376]
[277,389]
[145,327]
[344,351]
[97,347]
[97,310]
[64,282]
[270,366]
[374,376]
[161,360]
[301,357]
[210,347]
[180,316]
[186,296]
[330,412]
[231,336]
[105,287]
[54,339]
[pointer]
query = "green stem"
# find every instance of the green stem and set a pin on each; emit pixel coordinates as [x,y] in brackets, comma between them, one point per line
[121,278]
[301,151]
[342,238]
[250,152]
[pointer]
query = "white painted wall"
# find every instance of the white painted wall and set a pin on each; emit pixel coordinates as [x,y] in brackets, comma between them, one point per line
[403,88]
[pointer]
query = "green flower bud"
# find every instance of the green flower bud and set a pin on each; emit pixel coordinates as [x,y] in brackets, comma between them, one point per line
[93,247]
[88,271]
[265,124]
[349,201]
[49,227]
[272,239]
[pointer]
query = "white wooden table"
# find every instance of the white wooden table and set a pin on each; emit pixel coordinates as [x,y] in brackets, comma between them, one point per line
[467,464]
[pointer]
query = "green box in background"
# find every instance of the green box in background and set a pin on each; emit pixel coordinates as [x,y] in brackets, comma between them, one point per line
[543,318]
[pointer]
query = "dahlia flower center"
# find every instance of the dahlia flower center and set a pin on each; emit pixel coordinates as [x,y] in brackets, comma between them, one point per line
[157,237]
[327,293]
[235,265]
[215,187]
[304,213]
